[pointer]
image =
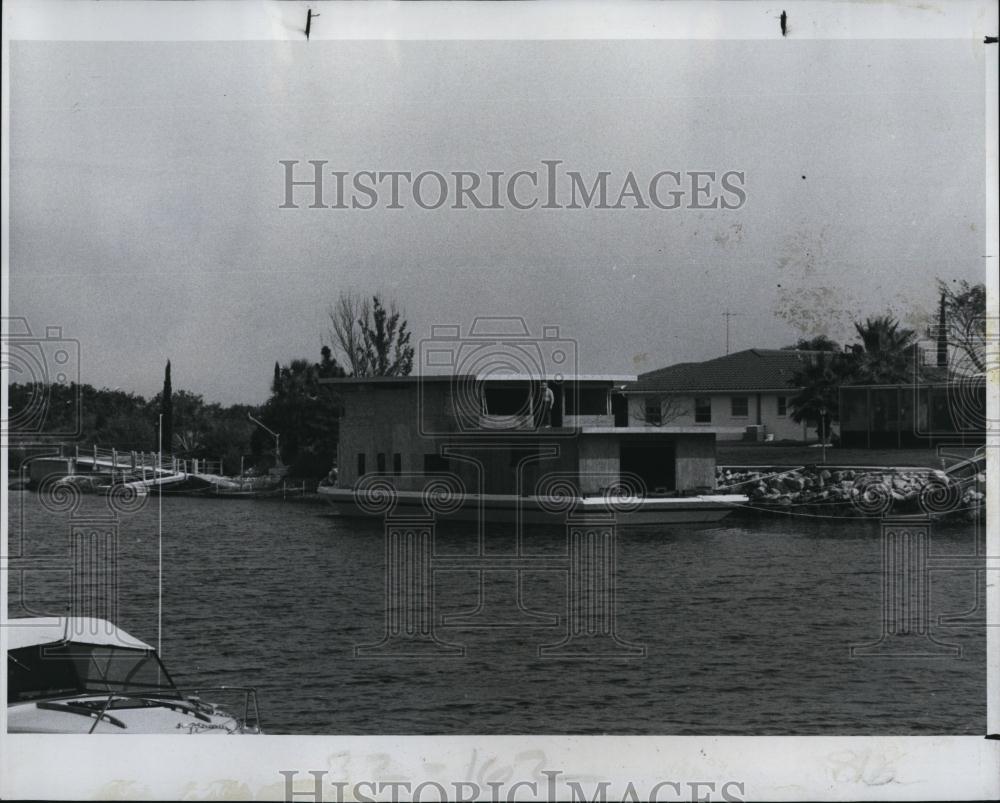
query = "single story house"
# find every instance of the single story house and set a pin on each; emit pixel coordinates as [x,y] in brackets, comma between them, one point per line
[744,395]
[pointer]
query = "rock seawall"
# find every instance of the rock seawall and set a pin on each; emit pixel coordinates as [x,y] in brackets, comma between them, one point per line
[856,491]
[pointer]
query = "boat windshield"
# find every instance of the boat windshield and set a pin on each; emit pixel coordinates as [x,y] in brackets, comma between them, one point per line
[51,671]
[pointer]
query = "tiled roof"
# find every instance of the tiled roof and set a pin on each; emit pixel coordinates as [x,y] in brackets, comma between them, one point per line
[750,370]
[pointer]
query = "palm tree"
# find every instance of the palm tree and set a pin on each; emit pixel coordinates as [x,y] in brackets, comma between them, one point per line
[188,442]
[887,352]
[820,379]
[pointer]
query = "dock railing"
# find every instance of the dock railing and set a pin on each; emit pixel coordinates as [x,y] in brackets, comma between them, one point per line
[139,464]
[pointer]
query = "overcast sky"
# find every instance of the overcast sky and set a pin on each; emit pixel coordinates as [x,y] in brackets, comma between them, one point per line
[145,186]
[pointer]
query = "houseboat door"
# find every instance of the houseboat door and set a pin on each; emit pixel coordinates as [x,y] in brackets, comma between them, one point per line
[619,409]
[653,463]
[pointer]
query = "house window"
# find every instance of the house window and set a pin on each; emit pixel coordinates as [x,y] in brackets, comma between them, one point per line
[397,464]
[702,410]
[782,405]
[380,462]
[587,401]
[435,464]
[739,406]
[361,464]
[654,412]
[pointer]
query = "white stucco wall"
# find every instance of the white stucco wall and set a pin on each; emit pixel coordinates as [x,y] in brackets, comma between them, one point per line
[724,423]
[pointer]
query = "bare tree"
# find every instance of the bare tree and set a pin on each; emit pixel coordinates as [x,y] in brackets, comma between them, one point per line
[345,332]
[963,319]
[374,339]
[659,411]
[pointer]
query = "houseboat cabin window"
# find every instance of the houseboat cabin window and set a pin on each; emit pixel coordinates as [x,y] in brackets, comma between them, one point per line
[361,464]
[782,405]
[587,401]
[739,406]
[436,464]
[397,464]
[702,410]
[380,462]
[507,400]
[654,413]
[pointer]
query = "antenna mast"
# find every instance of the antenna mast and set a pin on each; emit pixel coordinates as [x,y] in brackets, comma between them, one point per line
[727,315]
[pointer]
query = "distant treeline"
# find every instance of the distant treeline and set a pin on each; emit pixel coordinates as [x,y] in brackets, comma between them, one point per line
[301,410]
[371,334]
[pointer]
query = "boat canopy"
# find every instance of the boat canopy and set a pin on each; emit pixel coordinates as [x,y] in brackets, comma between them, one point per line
[81,630]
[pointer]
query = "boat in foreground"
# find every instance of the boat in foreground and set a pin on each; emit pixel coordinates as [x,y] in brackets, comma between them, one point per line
[84,675]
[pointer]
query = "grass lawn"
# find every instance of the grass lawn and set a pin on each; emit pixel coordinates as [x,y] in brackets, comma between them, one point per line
[738,453]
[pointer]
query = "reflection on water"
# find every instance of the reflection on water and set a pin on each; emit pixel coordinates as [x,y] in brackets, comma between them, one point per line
[747,625]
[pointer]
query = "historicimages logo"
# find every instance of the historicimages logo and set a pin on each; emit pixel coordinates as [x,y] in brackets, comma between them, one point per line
[313,184]
[544,785]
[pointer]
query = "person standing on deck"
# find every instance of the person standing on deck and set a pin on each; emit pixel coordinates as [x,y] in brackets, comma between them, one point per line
[548,399]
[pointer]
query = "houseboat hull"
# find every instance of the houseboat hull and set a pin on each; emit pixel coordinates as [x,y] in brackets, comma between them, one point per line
[533,509]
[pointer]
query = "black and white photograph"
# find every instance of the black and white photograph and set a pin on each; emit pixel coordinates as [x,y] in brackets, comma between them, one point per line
[500,401]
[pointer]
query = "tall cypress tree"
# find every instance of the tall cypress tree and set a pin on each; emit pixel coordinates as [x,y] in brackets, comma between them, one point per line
[167,410]
[276,382]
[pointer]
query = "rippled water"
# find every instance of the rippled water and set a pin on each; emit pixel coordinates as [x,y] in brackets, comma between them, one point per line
[747,625]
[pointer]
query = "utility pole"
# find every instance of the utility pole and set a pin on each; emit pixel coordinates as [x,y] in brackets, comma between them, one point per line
[159,539]
[727,315]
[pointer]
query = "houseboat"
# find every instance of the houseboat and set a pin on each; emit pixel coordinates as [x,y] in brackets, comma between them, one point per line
[517,447]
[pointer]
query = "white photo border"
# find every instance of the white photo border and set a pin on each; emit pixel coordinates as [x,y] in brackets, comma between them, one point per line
[771,768]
